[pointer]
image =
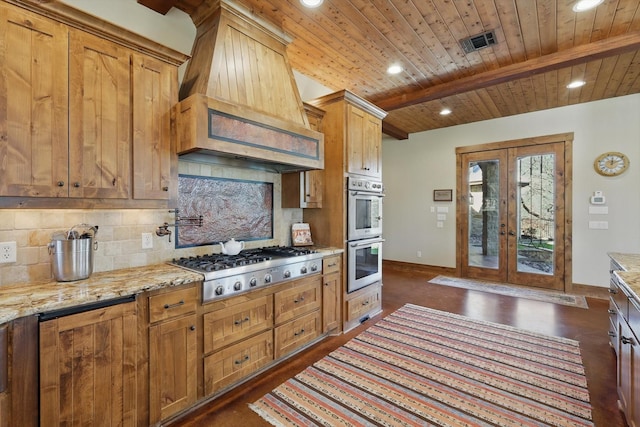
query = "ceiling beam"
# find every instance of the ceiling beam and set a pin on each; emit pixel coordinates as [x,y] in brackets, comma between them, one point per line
[160,6]
[555,61]
[393,131]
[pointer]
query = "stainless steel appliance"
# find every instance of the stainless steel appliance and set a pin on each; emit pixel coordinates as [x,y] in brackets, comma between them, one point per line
[364,210]
[364,265]
[230,275]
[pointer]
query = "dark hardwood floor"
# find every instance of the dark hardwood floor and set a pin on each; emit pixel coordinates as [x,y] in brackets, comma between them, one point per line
[588,326]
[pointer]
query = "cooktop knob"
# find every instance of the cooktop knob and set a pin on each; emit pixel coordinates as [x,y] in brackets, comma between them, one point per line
[314,267]
[253,282]
[267,278]
[303,270]
[287,274]
[237,286]
[219,290]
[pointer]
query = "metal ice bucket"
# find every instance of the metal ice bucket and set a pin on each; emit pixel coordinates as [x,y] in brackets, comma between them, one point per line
[72,256]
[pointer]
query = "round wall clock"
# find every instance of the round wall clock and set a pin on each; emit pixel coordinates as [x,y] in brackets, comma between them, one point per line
[611,163]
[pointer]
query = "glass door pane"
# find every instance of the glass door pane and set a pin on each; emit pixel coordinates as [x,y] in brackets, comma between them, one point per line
[484,225]
[536,195]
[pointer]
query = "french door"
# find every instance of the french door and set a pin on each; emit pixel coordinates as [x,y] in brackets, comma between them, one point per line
[511,214]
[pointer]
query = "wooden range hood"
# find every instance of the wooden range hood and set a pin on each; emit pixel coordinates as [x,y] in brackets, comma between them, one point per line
[239,101]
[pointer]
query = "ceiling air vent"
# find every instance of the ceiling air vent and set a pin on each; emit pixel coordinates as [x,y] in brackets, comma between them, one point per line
[479,41]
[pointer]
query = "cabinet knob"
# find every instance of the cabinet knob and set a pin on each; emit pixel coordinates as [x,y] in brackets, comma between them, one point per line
[76,184]
[193,327]
[165,188]
[626,340]
[60,183]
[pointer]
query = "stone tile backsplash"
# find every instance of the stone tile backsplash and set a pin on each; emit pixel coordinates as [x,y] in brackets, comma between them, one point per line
[120,231]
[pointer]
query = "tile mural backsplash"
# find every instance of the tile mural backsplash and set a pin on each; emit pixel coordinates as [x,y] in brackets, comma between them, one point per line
[120,230]
[238,208]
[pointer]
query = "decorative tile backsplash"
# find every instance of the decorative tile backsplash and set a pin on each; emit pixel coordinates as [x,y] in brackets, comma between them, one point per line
[238,208]
[120,230]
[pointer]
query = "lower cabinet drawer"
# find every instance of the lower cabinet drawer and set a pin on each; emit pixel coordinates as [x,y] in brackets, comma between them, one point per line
[232,364]
[368,302]
[293,335]
[231,324]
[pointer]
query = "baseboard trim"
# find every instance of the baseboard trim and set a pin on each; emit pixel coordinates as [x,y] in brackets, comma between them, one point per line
[421,268]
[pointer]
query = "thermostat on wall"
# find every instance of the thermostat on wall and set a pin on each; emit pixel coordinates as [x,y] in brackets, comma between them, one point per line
[597,198]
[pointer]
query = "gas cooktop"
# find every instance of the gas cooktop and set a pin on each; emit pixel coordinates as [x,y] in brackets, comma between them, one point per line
[226,275]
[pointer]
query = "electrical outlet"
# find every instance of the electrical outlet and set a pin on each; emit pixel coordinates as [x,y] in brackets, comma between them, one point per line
[7,252]
[147,240]
[419,254]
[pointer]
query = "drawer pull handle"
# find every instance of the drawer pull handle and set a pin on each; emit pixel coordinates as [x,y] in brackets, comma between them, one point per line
[332,264]
[612,311]
[241,361]
[365,302]
[298,300]
[612,334]
[240,322]
[178,304]
[298,333]
[626,340]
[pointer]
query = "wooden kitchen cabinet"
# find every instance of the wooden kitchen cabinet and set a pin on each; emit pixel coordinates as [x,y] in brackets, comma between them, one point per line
[83,103]
[236,362]
[302,189]
[301,298]
[237,322]
[364,143]
[297,315]
[88,368]
[624,314]
[99,118]
[352,130]
[354,127]
[155,92]
[628,353]
[294,334]
[305,189]
[331,291]
[361,303]
[34,99]
[173,352]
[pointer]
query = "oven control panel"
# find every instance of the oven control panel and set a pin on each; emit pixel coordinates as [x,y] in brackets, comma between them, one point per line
[360,184]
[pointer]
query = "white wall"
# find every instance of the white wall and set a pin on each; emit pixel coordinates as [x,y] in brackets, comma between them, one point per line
[413,168]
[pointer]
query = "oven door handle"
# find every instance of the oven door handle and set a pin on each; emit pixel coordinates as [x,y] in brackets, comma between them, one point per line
[365,243]
[366,193]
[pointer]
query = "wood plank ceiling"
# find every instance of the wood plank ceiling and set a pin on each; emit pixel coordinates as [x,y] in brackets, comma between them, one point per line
[542,45]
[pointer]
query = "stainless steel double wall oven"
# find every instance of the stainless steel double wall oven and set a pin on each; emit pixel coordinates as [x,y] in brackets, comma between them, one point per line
[364,232]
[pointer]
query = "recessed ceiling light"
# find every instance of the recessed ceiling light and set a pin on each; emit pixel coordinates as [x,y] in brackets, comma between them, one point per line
[445,112]
[583,5]
[394,69]
[576,83]
[311,3]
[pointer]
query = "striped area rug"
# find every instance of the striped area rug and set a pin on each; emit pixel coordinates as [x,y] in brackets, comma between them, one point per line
[420,367]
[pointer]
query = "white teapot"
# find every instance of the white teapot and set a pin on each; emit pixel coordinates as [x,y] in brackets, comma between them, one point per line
[232,247]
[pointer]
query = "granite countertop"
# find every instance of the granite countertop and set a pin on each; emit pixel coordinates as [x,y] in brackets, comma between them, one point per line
[630,277]
[26,299]
[21,300]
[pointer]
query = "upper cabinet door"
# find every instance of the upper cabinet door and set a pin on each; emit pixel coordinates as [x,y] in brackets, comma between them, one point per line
[99,118]
[33,105]
[154,160]
[364,142]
